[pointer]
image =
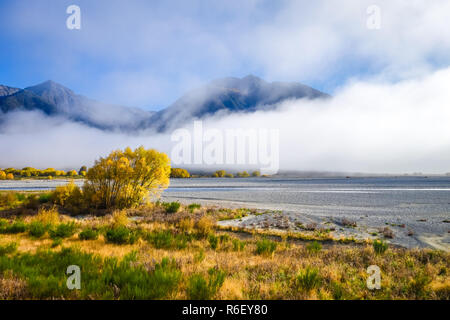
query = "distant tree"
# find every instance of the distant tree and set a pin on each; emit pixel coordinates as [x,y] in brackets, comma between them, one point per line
[9,176]
[72,173]
[256,173]
[179,173]
[2,175]
[219,174]
[49,172]
[82,169]
[243,174]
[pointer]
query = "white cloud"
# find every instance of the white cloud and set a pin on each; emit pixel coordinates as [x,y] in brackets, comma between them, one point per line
[367,127]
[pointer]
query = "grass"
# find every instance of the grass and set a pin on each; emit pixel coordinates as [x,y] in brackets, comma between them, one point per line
[314,247]
[379,246]
[16,227]
[307,279]
[63,230]
[103,278]
[88,234]
[37,229]
[186,256]
[172,207]
[167,240]
[200,288]
[8,248]
[121,235]
[265,247]
[193,206]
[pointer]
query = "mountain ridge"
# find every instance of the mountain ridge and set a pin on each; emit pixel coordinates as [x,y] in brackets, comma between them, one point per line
[224,95]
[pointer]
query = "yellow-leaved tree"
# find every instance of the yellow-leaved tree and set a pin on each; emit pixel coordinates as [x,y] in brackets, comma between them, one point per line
[125,178]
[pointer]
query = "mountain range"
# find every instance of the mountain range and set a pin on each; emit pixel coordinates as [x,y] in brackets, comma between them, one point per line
[221,96]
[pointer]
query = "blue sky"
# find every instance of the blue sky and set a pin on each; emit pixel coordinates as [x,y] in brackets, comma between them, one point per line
[148,53]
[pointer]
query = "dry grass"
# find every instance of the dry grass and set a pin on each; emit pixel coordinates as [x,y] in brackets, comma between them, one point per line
[406,274]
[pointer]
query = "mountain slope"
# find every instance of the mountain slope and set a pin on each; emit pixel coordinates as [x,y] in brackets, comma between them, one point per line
[7,91]
[247,94]
[221,96]
[54,99]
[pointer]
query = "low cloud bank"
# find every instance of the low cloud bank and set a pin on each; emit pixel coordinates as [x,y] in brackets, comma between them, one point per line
[367,127]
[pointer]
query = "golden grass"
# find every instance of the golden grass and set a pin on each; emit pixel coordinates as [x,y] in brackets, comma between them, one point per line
[406,274]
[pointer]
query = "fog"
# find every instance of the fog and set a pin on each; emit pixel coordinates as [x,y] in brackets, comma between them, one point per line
[368,126]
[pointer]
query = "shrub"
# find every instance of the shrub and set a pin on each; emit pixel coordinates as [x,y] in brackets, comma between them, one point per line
[47,216]
[179,173]
[68,196]
[265,247]
[201,289]
[63,230]
[56,242]
[204,226]
[8,248]
[2,175]
[379,246]
[314,247]
[243,174]
[171,207]
[37,229]
[348,223]
[238,245]
[165,239]
[308,279]
[388,233]
[14,228]
[213,241]
[229,175]
[418,285]
[121,235]
[256,173]
[88,234]
[9,176]
[194,206]
[8,199]
[124,179]
[219,174]
[44,198]
[119,219]
[186,225]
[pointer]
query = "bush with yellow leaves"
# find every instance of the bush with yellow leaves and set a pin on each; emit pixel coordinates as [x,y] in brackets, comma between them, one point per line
[124,179]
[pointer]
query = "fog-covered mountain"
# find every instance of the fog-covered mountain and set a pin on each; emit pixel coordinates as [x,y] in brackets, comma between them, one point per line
[226,95]
[54,99]
[222,96]
[6,91]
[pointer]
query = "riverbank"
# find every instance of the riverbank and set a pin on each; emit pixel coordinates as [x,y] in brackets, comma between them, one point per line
[412,211]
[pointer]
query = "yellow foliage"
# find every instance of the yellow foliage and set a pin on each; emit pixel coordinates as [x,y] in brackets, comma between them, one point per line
[205,225]
[9,176]
[186,224]
[68,196]
[47,216]
[2,175]
[126,178]
[119,218]
[179,173]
